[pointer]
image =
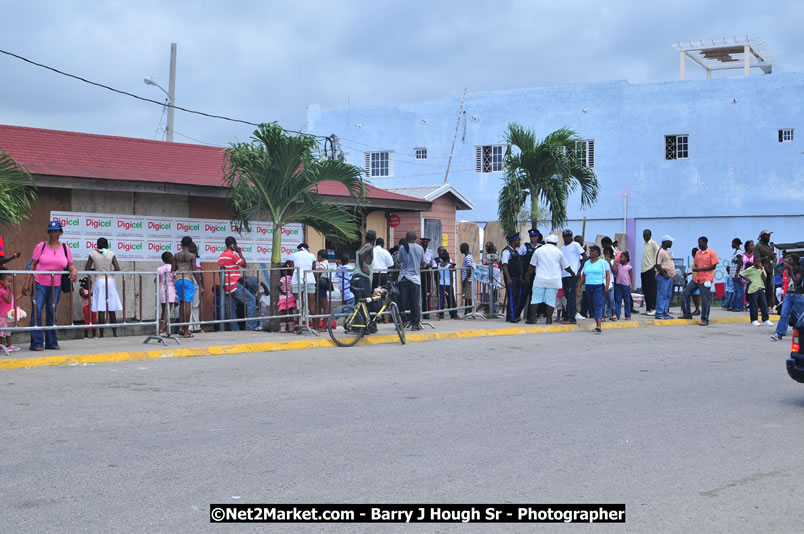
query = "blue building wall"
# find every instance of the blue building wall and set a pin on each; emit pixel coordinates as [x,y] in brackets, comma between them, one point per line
[738,178]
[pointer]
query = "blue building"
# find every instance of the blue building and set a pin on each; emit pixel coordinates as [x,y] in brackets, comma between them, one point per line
[716,157]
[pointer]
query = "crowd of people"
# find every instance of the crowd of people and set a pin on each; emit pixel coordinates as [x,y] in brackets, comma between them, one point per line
[541,281]
[579,282]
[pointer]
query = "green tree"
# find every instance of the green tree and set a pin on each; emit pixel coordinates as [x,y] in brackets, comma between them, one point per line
[548,171]
[277,175]
[17,191]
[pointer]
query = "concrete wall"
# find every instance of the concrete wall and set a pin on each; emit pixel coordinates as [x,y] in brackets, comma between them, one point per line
[736,166]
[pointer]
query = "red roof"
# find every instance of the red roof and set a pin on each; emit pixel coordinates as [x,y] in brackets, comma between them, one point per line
[82,155]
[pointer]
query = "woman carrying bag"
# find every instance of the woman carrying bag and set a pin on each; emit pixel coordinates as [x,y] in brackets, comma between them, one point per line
[50,255]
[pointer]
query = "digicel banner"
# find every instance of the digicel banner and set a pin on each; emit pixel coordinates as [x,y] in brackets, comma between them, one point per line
[145,238]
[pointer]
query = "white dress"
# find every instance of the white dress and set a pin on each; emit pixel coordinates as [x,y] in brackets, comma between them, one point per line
[102,266]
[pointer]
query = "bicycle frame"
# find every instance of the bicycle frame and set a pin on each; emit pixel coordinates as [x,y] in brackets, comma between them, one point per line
[361,307]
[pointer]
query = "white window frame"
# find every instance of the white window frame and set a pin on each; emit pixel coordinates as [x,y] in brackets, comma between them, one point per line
[420,152]
[587,152]
[681,145]
[786,135]
[485,155]
[374,165]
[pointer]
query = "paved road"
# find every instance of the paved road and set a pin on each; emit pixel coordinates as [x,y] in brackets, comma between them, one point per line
[694,429]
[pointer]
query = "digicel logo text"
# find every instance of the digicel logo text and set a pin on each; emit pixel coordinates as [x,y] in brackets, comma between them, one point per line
[98,223]
[158,226]
[214,248]
[74,244]
[90,245]
[158,247]
[128,247]
[290,231]
[213,228]
[263,230]
[128,225]
[68,222]
[184,227]
[264,250]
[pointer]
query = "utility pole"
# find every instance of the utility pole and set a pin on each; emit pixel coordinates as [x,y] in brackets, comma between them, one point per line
[171,92]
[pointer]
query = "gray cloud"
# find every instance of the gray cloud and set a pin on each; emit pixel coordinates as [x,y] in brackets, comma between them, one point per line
[264,61]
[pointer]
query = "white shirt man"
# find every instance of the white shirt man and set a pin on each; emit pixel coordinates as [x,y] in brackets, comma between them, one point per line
[305,260]
[549,264]
[382,258]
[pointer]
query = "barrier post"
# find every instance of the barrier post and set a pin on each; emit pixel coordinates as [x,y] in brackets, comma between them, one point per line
[157,336]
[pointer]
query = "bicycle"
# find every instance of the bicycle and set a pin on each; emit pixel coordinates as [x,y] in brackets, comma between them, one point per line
[350,320]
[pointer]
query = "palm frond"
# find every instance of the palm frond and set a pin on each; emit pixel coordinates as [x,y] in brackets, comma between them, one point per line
[17,191]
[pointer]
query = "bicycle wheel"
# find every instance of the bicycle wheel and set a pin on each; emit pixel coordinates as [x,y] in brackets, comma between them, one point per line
[398,322]
[340,329]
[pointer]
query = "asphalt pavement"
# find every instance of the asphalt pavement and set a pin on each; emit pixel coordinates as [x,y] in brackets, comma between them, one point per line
[694,429]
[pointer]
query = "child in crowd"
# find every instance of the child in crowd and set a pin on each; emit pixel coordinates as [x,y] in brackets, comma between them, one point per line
[755,275]
[287,300]
[623,282]
[167,288]
[7,310]
[561,304]
[90,317]
[696,297]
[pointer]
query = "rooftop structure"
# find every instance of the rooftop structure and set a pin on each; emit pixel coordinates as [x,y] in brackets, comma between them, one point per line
[724,54]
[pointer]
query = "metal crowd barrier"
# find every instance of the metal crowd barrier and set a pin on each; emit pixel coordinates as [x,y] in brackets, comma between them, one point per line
[226,304]
[144,283]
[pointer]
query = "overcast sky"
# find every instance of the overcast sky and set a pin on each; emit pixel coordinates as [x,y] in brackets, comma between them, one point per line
[267,60]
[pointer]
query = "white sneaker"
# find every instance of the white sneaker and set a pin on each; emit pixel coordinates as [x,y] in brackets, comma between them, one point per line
[652,312]
[579,317]
[756,323]
[768,323]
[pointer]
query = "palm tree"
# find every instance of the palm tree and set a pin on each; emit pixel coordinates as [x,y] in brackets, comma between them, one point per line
[17,191]
[547,171]
[277,174]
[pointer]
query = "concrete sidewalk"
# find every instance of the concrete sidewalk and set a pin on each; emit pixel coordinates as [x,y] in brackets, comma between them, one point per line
[110,349]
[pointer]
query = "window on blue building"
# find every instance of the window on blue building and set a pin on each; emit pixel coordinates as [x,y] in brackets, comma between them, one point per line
[421,153]
[785,135]
[585,152]
[676,146]
[489,158]
[379,164]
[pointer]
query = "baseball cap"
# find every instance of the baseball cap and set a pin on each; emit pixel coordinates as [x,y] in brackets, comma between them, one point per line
[551,239]
[765,232]
[54,225]
[668,237]
[567,232]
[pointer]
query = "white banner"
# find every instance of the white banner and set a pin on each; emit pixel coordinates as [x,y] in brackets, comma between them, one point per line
[145,238]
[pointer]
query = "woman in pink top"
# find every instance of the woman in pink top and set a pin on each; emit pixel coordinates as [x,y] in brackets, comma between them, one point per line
[50,255]
[623,283]
[167,288]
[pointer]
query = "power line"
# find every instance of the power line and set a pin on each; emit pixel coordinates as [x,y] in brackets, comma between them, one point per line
[132,95]
[196,140]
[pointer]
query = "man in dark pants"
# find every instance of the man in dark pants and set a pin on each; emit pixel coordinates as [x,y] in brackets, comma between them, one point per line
[411,259]
[511,263]
[648,273]
[526,252]
[575,255]
[766,252]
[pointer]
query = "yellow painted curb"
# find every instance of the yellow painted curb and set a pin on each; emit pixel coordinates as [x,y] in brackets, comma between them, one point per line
[301,344]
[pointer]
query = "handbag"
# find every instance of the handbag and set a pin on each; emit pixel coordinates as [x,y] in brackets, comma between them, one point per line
[66,284]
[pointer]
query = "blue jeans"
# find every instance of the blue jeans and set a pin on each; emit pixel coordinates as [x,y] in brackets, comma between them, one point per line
[664,292]
[792,302]
[610,302]
[757,304]
[46,300]
[597,300]
[738,300]
[622,295]
[250,305]
[706,299]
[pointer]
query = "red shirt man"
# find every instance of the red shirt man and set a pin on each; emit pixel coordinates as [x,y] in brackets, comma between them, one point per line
[230,261]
